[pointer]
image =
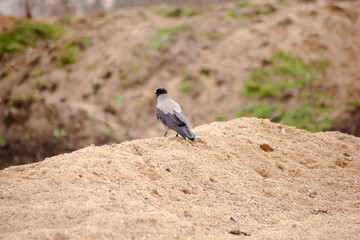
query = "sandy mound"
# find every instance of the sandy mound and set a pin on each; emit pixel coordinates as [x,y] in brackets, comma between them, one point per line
[248,175]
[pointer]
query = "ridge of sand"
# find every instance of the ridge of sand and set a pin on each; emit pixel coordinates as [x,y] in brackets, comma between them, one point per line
[248,174]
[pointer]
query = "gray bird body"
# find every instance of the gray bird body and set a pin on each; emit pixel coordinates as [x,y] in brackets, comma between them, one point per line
[171,116]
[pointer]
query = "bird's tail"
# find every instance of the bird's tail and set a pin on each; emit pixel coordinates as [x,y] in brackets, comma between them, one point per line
[186,132]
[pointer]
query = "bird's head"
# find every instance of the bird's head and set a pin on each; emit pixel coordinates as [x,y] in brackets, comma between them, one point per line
[160,91]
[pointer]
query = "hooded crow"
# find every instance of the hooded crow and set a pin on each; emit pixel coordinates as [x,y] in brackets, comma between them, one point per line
[171,116]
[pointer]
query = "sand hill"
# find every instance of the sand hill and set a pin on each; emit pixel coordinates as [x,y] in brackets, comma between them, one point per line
[244,179]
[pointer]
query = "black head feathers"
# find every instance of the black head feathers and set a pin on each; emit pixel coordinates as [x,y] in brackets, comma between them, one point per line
[160,91]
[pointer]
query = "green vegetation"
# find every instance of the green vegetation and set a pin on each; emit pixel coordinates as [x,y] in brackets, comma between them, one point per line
[25,34]
[259,110]
[26,137]
[169,32]
[122,74]
[72,51]
[263,9]
[121,85]
[189,11]
[176,12]
[118,98]
[160,39]
[321,65]
[41,84]
[96,86]
[306,116]
[205,71]
[59,133]
[242,4]
[185,87]
[186,74]
[83,42]
[1,139]
[232,14]
[284,72]
[6,77]
[31,97]
[91,67]
[254,9]
[70,55]
[212,35]
[68,18]
[190,82]
[21,99]
[107,130]
[284,77]
[109,109]
[221,118]
[55,86]
[37,73]
[355,103]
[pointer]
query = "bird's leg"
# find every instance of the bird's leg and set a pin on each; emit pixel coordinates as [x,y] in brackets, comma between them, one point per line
[165,133]
[177,134]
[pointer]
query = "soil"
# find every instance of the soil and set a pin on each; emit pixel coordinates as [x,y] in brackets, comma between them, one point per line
[244,179]
[107,95]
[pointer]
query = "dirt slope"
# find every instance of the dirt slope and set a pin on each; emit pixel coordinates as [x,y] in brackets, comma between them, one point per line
[250,175]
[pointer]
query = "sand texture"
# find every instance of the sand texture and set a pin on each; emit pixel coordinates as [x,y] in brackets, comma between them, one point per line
[248,176]
[107,95]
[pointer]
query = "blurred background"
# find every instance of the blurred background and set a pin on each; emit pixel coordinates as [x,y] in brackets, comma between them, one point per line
[75,73]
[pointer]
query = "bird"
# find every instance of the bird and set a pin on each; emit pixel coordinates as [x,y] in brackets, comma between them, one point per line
[171,116]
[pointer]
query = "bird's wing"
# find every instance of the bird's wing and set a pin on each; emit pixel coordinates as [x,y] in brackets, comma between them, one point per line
[180,115]
[171,120]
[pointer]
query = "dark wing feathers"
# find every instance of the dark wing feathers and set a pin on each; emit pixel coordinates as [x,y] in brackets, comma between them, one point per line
[171,120]
[177,122]
[158,114]
[181,117]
